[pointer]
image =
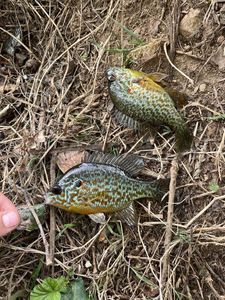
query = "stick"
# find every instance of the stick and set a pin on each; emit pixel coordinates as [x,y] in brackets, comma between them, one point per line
[52,218]
[178,70]
[46,245]
[168,234]
[175,16]
[204,210]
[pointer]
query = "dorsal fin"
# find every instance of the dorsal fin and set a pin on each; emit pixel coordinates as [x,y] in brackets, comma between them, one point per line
[180,99]
[131,164]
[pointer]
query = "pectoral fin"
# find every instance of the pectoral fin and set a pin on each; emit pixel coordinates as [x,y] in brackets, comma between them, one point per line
[98,218]
[124,120]
[128,215]
[157,76]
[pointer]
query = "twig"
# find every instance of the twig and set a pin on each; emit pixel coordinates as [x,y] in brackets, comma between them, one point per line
[204,210]
[52,217]
[46,245]
[174,29]
[106,136]
[168,234]
[178,70]
[219,154]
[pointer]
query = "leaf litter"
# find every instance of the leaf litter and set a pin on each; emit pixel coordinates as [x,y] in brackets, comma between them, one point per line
[50,109]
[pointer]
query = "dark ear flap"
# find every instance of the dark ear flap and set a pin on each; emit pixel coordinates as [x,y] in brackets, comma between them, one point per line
[56,190]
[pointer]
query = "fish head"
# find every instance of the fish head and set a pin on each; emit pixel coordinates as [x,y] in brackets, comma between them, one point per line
[117,74]
[121,79]
[65,192]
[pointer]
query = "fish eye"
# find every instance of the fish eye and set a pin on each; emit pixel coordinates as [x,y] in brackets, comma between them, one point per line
[57,190]
[78,183]
[110,75]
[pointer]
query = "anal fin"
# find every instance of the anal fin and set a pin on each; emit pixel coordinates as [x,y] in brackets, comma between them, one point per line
[128,215]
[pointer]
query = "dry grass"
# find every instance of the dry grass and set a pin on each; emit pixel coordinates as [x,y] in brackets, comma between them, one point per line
[57,98]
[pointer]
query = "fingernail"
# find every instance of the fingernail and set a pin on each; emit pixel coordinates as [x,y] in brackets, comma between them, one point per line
[10,219]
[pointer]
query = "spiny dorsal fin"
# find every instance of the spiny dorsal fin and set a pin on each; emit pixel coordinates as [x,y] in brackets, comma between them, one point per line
[131,164]
[128,215]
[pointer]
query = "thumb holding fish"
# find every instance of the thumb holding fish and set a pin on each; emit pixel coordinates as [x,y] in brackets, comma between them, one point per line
[9,216]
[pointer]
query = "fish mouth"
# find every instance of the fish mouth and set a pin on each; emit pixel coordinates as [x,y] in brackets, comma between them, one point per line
[111,76]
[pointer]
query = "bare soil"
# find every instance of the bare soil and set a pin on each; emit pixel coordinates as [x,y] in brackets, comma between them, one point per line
[53,97]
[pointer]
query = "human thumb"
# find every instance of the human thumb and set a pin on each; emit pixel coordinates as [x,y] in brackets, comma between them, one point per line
[9,216]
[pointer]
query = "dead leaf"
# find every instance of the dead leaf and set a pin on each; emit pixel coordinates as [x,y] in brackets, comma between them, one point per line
[30,142]
[69,159]
[37,139]
[40,137]
[32,65]
[92,98]
[102,236]
[146,52]
[157,76]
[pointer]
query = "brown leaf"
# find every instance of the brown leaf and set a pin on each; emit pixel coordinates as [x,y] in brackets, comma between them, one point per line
[146,52]
[69,159]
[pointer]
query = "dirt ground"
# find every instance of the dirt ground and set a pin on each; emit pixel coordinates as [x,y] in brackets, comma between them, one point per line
[53,97]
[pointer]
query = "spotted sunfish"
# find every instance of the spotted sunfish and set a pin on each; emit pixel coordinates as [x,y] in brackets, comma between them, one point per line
[138,99]
[104,183]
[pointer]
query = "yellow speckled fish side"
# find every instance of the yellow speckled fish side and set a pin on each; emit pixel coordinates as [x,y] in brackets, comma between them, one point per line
[137,96]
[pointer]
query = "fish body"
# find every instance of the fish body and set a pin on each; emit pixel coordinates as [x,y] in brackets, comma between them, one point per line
[137,96]
[92,188]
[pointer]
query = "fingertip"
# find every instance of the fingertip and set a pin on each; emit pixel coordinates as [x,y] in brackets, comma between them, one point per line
[9,216]
[10,219]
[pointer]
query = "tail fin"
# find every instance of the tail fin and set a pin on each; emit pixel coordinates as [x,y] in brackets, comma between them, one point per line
[183,138]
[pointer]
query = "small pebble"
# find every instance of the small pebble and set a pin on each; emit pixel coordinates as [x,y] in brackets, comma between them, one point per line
[191,23]
[88,264]
[202,87]
[220,39]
